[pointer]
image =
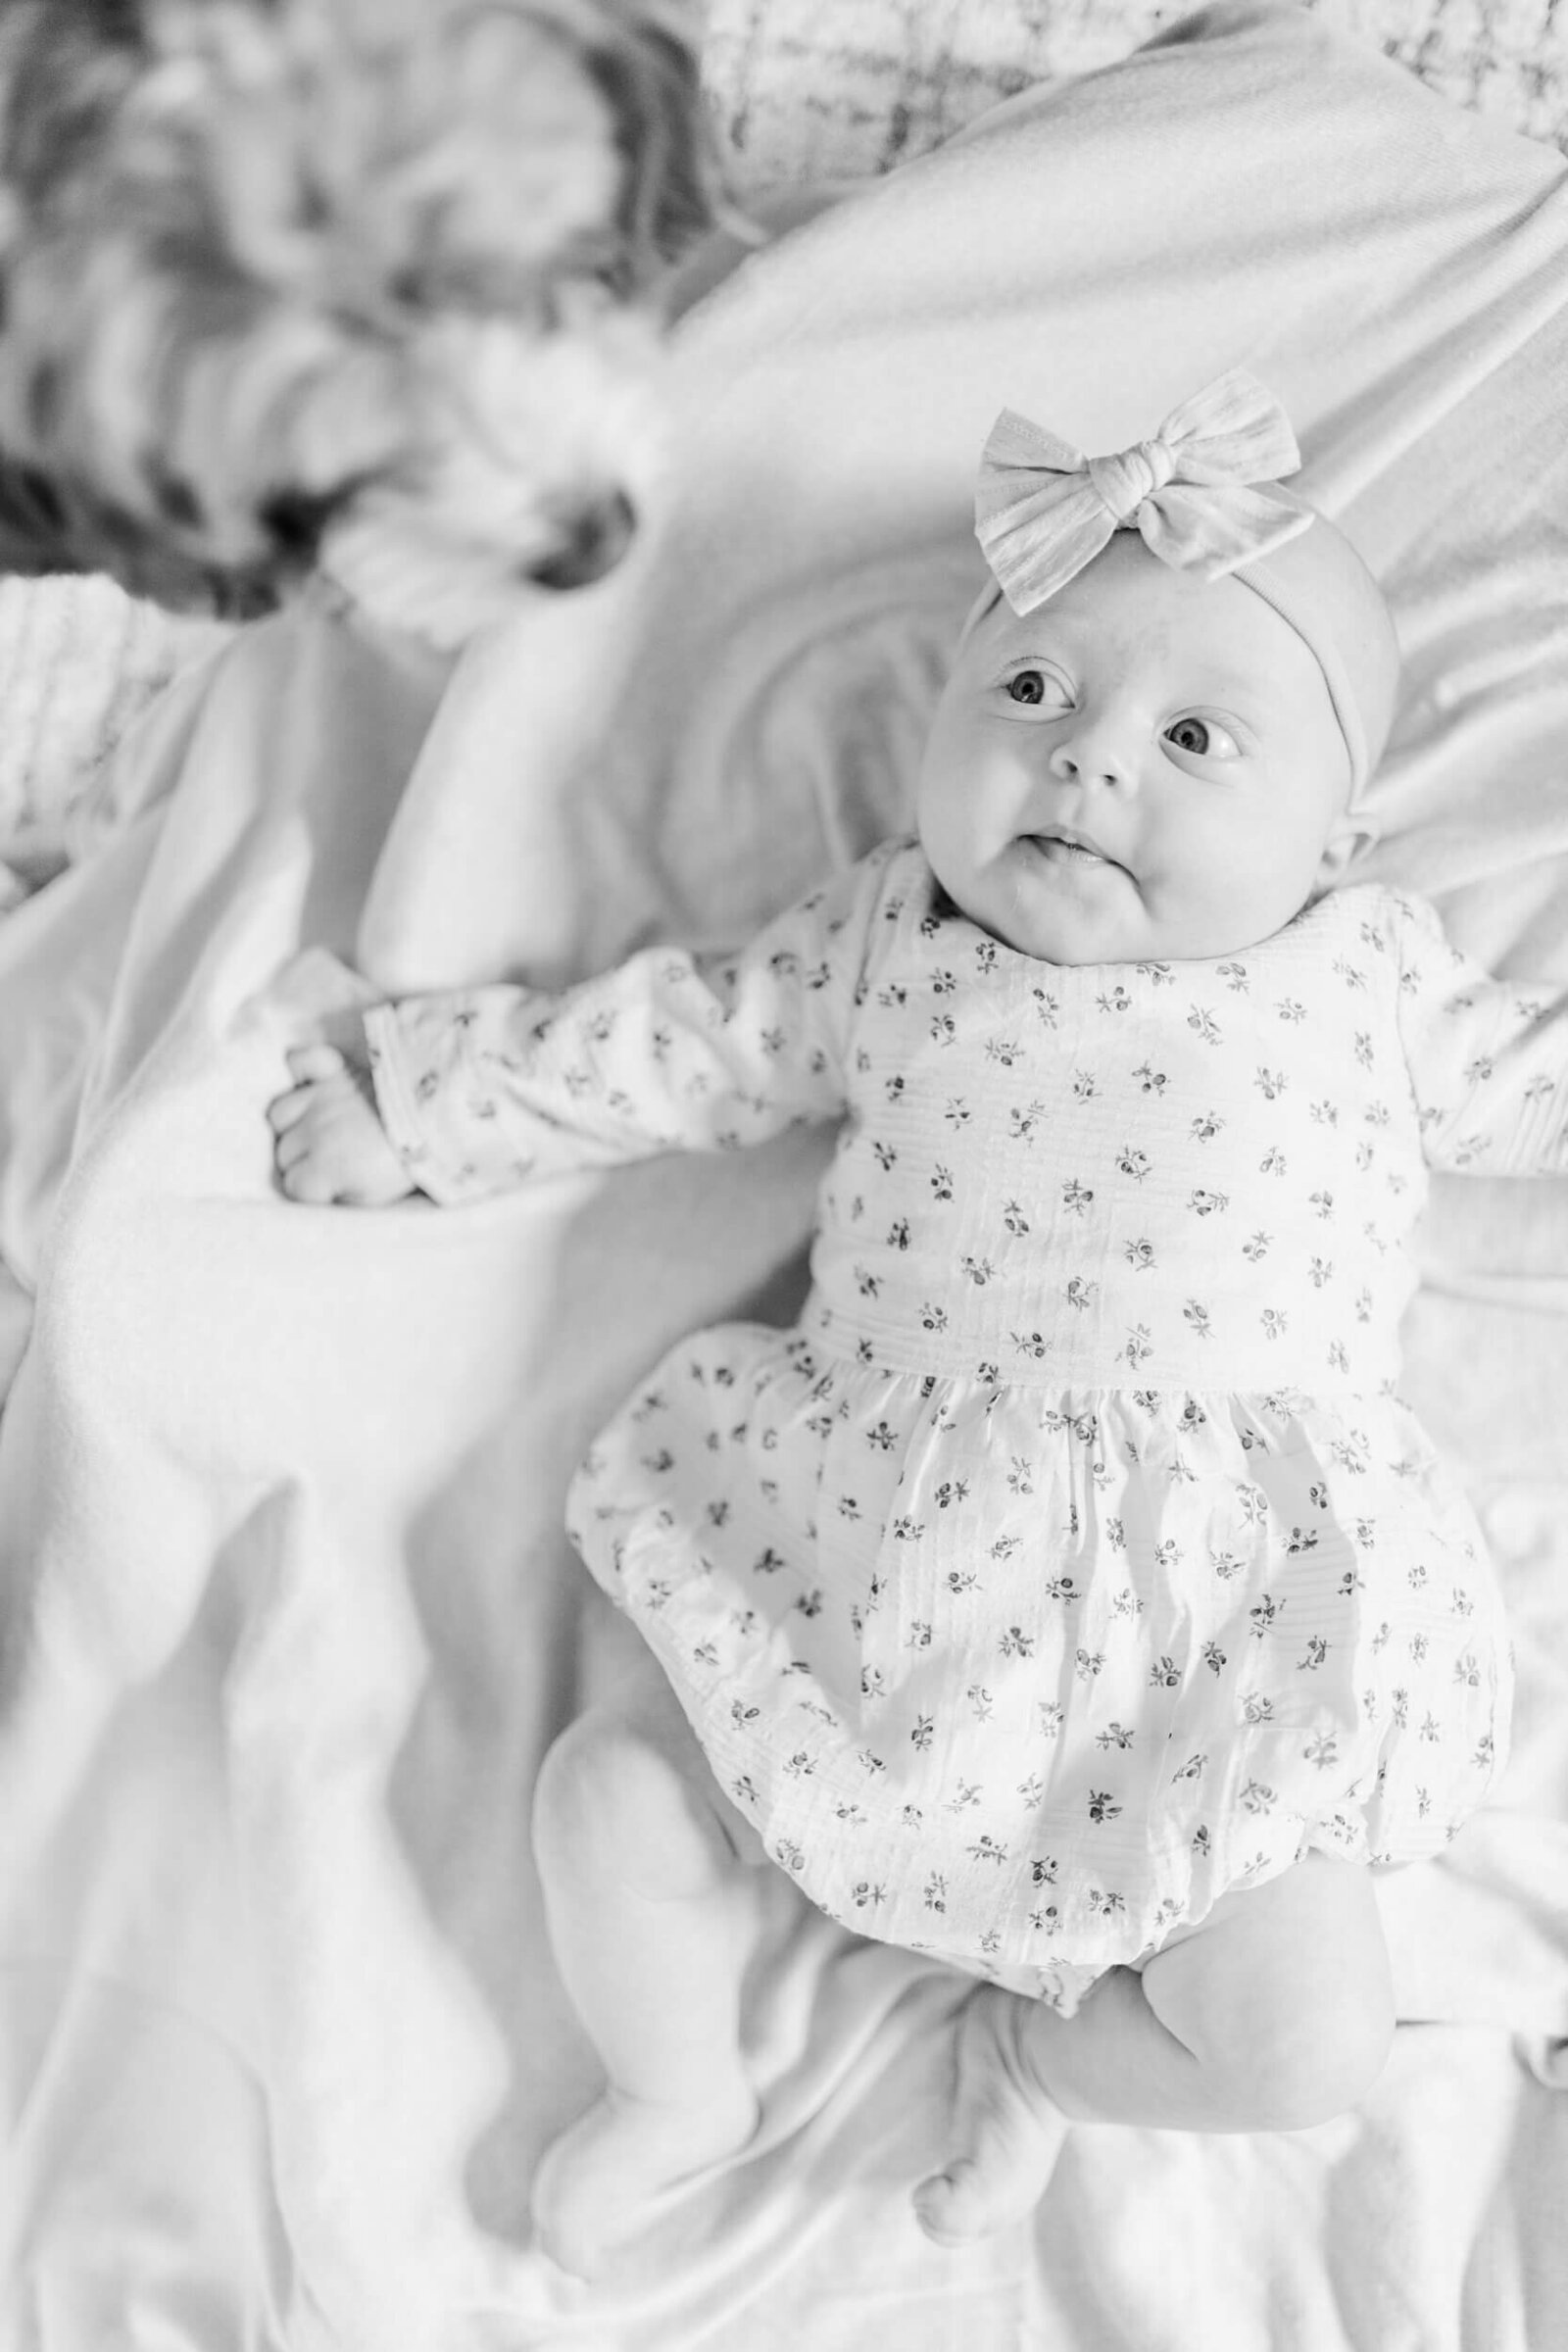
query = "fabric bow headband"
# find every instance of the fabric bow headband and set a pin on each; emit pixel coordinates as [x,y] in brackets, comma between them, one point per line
[1204,492]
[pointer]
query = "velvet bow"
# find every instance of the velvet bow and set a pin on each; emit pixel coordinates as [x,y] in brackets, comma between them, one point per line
[1204,492]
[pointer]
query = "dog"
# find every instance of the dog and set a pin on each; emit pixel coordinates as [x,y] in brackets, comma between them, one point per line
[364,287]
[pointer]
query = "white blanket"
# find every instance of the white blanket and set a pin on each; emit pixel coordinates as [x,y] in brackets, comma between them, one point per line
[288,1618]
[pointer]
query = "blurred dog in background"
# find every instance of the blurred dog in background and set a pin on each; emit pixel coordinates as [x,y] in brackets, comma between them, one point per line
[365,285]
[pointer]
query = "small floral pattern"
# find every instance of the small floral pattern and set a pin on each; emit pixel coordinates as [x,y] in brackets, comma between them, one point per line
[1074,1560]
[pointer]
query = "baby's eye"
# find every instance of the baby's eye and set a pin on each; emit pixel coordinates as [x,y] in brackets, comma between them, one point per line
[1204,738]
[1036,686]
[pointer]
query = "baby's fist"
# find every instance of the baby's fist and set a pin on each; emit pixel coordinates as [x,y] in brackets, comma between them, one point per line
[329,1141]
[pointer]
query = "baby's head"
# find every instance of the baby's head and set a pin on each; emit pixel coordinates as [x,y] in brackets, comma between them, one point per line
[1152,765]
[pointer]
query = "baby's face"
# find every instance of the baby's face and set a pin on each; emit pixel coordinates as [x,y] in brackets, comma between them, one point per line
[1146,766]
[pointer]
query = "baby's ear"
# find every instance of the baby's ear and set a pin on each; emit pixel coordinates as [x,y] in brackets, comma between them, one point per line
[1340,851]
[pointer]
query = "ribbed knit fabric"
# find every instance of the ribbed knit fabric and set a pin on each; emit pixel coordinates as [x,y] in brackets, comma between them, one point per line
[810,89]
[78,662]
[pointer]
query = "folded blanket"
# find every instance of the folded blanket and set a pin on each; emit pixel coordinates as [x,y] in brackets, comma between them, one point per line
[288,1615]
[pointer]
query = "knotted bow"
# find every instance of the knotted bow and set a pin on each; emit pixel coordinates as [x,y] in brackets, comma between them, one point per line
[1204,492]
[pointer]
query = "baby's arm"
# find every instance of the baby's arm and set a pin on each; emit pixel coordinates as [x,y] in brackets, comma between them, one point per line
[1488,1059]
[482,1089]
[468,1092]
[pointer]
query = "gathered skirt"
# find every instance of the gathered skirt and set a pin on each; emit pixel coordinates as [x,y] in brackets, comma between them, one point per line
[1029,1677]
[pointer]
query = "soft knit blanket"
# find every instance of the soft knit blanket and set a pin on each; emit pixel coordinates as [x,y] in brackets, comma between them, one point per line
[812,88]
[288,1616]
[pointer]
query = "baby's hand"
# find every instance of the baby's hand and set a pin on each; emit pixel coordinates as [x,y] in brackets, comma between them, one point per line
[329,1141]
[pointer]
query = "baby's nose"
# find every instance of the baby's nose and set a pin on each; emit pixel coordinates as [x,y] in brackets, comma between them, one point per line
[1090,758]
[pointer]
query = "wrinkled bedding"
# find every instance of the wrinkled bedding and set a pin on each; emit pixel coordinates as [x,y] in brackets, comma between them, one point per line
[286,1617]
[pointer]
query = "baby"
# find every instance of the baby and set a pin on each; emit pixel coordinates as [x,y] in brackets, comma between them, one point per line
[1069,1595]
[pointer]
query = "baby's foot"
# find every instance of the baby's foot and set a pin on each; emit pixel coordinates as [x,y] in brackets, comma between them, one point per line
[596,2185]
[1007,2129]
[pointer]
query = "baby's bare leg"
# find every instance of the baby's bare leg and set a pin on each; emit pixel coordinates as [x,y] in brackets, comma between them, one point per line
[646,1892]
[1272,2014]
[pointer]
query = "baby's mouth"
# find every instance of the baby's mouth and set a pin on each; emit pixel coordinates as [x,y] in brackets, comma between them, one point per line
[1059,849]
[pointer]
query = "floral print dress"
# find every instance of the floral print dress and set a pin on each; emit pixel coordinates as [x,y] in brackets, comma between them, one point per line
[1074,1560]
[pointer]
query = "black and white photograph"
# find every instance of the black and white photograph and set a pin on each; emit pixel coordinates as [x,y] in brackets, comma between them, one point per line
[783,1176]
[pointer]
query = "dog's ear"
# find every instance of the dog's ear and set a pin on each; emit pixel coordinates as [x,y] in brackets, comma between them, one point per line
[672,190]
[50,525]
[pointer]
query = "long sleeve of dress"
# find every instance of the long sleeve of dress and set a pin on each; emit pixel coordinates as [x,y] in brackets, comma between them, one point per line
[479,1089]
[1488,1058]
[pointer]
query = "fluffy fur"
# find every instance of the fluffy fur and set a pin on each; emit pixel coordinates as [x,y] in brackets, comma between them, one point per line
[369,284]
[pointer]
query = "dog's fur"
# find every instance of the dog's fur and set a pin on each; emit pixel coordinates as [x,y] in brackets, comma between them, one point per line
[365,283]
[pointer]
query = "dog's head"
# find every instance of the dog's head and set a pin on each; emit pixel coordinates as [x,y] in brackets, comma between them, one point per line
[369,284]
